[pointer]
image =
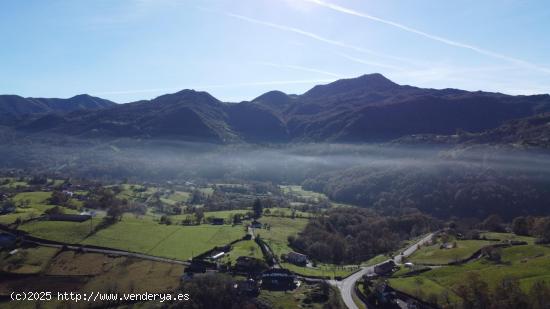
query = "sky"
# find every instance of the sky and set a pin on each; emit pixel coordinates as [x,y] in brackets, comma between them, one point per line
[236,50]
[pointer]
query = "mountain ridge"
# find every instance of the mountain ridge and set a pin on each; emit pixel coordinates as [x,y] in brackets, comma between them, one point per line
[369,108]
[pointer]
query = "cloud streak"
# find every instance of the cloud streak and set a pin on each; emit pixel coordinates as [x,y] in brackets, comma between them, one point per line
[371,63]
[299,68]
[433,37]
[316,37]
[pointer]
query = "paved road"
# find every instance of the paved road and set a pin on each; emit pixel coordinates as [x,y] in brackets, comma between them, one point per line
[346,286]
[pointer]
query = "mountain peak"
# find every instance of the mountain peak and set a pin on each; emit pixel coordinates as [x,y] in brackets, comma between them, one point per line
[187,95]
[273,98]
[81,96]
[375,82]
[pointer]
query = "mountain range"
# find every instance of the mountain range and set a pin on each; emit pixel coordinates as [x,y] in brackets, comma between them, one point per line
[369,108]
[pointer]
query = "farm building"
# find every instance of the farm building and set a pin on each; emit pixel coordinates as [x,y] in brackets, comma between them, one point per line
[384,268]
[296,258]
[199,266]
[278,279]
[67,217]
[247,287]
[217,255]
[256,224]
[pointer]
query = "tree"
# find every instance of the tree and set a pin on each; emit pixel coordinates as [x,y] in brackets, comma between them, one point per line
[7,206]
[257,208]
[508,295]
[543,233]
[197,197]
[58,198]
[493,223]
[520,226]
[54,211]
[494,254]
[115,212]
[165,220]
[237,219]
[474,292]
[199,214]
[539,295]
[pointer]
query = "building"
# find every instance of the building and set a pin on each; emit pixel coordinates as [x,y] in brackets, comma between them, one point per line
[278,279]
[296,258]
[247,287]
[217,221]
[384,268]
[217,255]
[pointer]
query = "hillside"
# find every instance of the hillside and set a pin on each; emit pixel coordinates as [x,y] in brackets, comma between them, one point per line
[14,108]
[529,132]
[369,108]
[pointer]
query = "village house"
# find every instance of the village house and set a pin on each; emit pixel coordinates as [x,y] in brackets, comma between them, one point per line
[278,279]
[296,258]
[384,268]
[256,224]
[247,287]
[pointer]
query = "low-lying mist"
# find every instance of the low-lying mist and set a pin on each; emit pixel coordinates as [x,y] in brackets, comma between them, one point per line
[473,181]
[153,160]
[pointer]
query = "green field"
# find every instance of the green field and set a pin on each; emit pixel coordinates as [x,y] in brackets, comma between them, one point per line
[286,212]
[277,236]
[142,235]
[375,260]
[277,239]
[300,192]
[224,214]
[433,255]
[13,183]
[243,248]
[68,232]
[37,205]
[422,288]
[507,236]
[526,263]
[27,260]
[129,192]
[172,241]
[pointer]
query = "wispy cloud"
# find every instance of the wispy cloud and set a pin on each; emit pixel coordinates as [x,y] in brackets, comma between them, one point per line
[316,37]
[371,63]
[299,68]
[430,36]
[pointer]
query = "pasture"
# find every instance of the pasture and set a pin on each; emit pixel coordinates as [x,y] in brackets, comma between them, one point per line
[434,255]
[526,263]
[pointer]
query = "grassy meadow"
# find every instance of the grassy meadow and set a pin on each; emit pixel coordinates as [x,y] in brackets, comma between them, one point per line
[526,263]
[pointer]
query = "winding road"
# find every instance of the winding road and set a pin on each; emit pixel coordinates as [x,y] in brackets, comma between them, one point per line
[346,286]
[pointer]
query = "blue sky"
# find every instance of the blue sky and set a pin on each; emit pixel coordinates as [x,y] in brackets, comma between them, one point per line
[237,50]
